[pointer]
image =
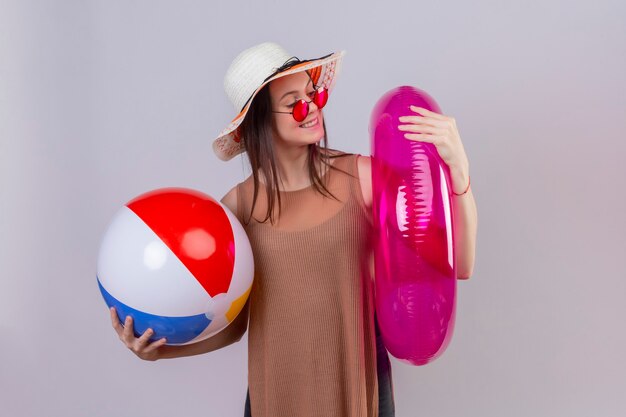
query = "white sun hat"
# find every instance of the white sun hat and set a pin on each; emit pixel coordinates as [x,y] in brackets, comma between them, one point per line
[254,68]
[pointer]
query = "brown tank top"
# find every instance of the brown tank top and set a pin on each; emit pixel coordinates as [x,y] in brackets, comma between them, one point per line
[311,335]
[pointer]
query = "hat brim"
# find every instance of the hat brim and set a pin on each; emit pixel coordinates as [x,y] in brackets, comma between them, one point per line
[229,143]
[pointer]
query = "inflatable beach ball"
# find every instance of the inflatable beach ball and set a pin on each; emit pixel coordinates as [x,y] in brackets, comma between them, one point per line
[178,262]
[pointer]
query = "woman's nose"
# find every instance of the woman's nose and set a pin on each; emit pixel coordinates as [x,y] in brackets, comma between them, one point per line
[313,106]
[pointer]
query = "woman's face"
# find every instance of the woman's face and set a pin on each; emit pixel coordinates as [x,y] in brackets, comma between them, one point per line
[284,92]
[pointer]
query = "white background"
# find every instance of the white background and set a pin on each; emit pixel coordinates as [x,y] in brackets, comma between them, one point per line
[101,101]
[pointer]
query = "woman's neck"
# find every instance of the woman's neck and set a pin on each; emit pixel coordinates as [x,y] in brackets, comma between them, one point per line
[293,171]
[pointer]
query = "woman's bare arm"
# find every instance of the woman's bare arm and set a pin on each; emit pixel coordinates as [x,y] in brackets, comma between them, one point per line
[231,334]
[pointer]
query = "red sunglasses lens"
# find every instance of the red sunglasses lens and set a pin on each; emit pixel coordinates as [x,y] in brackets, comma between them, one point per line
[321,97]
[300,110]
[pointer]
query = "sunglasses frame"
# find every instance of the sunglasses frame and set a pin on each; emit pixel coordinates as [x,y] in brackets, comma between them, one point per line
[302,102]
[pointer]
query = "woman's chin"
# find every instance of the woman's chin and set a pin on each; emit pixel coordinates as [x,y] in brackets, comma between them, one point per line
[310,137]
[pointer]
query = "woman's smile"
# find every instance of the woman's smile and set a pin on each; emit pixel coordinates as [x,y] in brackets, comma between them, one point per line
[312,123]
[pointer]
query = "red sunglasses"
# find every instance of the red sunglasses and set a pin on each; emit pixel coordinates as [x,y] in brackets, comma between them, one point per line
[301,107]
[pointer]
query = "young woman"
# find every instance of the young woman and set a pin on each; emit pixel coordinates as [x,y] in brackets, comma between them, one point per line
[313,339]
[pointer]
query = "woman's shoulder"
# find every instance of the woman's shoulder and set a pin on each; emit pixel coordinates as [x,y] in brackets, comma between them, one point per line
[360,166]
[364,172]
[230,199]
[363,162]
[344,161]
[336,153]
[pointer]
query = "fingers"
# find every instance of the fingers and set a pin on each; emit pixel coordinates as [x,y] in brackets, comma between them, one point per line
[128,329]
[142,341]
[141,345]
[115,322]
[427,112]
[423,120]
[421,128]
[155,345]
[422,138]
[136,344]
[434,118]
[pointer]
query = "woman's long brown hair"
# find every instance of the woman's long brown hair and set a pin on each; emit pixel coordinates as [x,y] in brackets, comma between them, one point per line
[256,131]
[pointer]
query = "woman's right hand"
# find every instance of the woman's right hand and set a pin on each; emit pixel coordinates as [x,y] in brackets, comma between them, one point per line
[138,345]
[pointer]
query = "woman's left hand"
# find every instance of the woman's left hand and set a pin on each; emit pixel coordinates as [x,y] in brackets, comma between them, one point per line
[441,131]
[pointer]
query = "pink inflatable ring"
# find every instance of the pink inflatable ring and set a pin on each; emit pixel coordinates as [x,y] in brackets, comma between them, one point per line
[415,271]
